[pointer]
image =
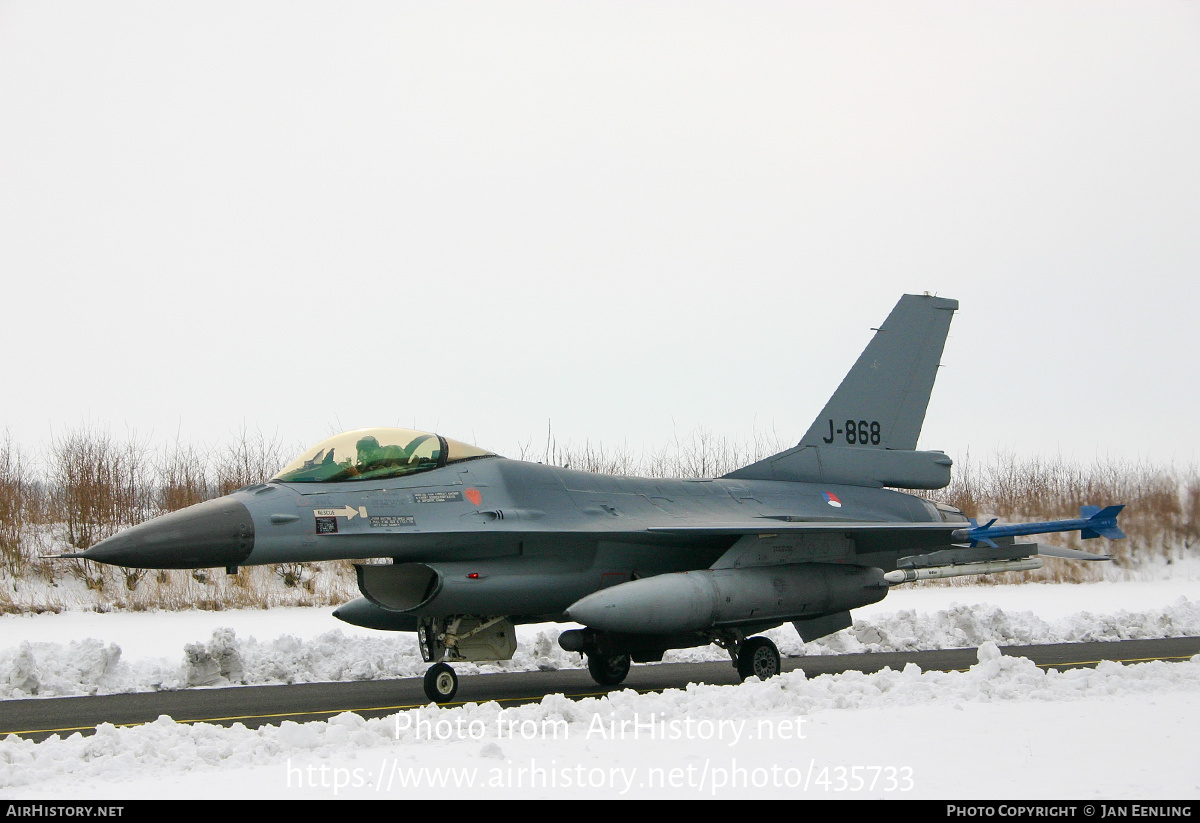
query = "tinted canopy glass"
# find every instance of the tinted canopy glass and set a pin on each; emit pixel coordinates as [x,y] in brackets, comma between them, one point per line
[373,454]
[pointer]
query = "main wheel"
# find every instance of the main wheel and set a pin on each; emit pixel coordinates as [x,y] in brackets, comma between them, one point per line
[608,670]
[441,683]
[758,657]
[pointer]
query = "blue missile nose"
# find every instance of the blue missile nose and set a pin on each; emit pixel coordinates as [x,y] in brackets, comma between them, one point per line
[213,533]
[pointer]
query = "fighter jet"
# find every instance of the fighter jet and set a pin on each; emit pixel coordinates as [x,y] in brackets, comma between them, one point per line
[459,544]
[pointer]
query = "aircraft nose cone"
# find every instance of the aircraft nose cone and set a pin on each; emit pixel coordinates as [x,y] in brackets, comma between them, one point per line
[213,533]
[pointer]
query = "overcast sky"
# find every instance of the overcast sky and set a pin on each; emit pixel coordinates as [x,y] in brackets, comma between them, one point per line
[626,219]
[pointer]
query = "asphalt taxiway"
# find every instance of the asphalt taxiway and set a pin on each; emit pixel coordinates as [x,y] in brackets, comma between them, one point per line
[38,718]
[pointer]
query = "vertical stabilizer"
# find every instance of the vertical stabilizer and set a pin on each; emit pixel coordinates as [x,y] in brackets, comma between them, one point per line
[887,390]
[867,433]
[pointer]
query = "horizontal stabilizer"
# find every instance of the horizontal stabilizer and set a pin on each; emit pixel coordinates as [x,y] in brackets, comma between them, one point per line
[941,530]
[1046,550]
[843,466]
[984,554]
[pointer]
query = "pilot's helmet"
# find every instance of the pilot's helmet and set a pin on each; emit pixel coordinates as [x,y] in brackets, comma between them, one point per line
[367,445]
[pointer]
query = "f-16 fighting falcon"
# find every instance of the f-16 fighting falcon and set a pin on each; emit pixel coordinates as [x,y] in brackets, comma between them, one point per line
[461,544]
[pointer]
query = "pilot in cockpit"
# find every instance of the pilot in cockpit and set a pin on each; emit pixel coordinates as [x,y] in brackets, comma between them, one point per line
[373,456]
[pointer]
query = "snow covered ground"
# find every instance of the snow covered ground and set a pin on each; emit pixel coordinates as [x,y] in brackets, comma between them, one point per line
[1004,729]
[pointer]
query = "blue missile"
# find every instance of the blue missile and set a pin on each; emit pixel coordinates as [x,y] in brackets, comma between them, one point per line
[1094,521]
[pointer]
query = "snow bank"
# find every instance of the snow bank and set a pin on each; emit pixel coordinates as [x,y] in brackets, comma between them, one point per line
[431,734]
[89,666]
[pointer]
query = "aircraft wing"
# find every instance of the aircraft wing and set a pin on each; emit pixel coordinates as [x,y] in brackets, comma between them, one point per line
[771,526]
[768,542]
[925,544]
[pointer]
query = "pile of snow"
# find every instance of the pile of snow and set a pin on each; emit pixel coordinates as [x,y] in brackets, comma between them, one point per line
[91,666]
[1003,729]
[622,744]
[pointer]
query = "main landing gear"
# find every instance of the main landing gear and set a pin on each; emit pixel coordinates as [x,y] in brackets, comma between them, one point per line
[608,669]
[608,657]
[757,657]
[752,656]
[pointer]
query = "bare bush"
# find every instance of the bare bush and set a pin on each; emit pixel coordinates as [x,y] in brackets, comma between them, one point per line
[298,574]
[253,459]
[100,485]
[699,454]
[705,454]
[182,476]
[596,458]
[14,492]
[1161,515]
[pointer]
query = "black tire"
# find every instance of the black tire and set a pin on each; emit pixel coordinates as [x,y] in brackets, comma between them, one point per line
[441,683]
[758,657]
[608,670]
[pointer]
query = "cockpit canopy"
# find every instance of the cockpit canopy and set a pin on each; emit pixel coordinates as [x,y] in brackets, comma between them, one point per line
[375,454]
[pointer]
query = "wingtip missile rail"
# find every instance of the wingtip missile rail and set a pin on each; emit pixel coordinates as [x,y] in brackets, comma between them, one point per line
[1094,521]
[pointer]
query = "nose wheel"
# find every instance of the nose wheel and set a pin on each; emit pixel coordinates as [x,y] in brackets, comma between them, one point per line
[757,657]
[441,683]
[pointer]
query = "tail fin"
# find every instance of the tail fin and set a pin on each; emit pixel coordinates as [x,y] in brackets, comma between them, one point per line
[887,390]
[1101,522]
[867,432]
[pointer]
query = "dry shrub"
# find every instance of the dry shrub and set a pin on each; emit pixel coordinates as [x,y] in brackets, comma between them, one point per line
[1161,515]
[697,455]
[253,587]
[14,490]
[253,459]
[597,459]
[1191,511]
[303,575]
[182,476]
[704,454]
[100,485]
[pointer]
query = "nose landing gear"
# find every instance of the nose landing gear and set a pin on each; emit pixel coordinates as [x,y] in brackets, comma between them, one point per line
[460,637]
[441,683]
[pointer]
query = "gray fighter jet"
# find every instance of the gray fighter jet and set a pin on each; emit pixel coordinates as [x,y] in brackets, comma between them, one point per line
[460,544]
